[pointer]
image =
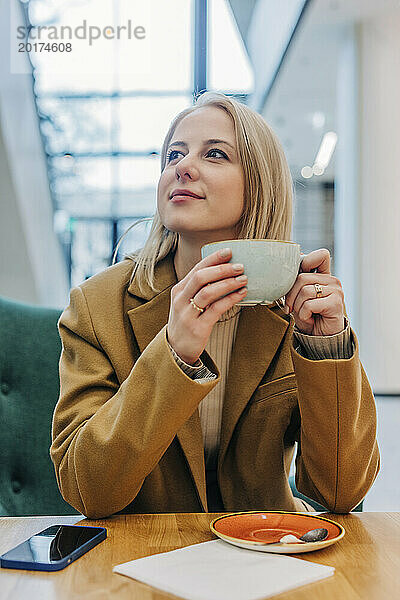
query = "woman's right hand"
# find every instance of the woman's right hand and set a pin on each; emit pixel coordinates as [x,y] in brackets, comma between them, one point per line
[188,329]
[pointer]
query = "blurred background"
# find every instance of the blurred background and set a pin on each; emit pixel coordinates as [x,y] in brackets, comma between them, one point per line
[81,131]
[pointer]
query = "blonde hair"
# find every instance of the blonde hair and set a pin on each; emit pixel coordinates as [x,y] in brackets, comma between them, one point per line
[268,187]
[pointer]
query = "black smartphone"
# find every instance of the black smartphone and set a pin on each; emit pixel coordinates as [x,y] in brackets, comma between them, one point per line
[53,548]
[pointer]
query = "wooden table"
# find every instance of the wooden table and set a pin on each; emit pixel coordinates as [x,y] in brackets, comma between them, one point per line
[367,559]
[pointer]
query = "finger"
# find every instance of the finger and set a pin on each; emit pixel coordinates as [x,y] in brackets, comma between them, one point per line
[304,279]
[207,276]
[308,292]
[212,292]
[220,306]
[318,259]
[328,307]
[218,257]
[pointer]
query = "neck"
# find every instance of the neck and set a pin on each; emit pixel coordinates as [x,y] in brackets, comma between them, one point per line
[187,255]
[188,251]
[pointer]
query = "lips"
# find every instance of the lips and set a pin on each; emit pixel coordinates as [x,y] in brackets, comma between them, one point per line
[184,193]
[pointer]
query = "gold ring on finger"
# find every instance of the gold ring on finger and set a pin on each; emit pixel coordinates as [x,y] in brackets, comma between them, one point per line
[318,290]
[193,303]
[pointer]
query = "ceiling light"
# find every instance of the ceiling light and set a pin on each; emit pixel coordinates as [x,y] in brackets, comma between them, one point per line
[326,149]
[318,170]
[306,172]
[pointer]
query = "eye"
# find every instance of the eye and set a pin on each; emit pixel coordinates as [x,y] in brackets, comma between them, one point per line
[213,150]
[173,154]
[212,153]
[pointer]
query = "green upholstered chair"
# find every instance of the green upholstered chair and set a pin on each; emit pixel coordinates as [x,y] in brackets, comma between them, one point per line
[29,352]
[313,503]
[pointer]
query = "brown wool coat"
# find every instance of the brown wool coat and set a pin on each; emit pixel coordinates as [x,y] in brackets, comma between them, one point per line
[126,430]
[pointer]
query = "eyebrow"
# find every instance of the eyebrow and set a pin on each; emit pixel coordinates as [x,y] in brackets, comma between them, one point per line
[205,143]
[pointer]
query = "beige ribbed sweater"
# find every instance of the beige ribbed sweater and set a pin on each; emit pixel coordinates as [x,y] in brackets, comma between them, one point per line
[219,347]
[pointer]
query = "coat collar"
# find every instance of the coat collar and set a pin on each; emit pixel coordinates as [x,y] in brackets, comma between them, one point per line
[164,276]
[259,334]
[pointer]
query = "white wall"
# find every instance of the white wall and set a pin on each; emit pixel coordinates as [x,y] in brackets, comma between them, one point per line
[379,201]
[347,173]
[32,265]
[367,225]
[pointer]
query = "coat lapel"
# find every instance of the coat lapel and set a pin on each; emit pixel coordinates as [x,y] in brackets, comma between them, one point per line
[259,334]
[147,320]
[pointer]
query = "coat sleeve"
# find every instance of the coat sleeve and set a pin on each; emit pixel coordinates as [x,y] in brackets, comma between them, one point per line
[107,437]
[337,458]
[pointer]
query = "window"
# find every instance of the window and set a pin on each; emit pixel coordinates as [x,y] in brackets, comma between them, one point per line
[105,107]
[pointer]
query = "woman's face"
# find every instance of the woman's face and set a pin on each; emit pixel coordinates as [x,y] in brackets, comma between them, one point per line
[202,159]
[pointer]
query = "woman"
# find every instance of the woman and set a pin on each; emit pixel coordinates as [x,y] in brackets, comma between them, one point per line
[173,399]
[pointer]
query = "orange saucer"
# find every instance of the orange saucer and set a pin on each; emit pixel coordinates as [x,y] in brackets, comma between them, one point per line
[256,530]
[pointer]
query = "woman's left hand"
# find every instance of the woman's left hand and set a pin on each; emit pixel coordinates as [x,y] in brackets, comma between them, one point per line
[323,315]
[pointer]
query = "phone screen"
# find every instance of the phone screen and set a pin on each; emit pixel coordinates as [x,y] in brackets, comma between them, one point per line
[52,544]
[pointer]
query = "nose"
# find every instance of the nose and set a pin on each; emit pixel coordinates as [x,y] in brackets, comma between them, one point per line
[186,169]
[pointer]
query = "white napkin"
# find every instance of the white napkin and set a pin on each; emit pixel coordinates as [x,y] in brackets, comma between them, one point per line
[219,571]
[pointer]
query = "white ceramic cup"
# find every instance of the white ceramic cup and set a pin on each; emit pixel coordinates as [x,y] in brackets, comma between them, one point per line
[270,265]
